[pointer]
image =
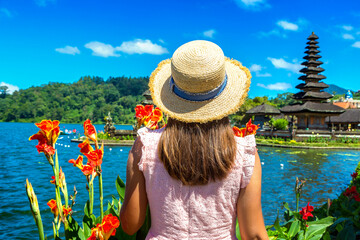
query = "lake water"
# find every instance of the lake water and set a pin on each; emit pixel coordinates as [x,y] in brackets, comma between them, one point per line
[327,174]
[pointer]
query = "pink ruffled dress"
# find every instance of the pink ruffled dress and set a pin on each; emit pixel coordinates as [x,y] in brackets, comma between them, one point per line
[193,212]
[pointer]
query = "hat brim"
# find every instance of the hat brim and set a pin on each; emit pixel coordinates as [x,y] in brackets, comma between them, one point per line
[228,102]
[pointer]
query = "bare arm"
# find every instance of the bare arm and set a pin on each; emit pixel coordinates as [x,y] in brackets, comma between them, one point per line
[249,212]
[133,210]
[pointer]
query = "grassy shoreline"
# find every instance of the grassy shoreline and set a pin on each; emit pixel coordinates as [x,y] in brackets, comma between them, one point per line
[294,144]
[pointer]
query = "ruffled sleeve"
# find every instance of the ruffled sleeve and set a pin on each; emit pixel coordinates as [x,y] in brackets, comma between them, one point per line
[149,139]
[142,132]
[248,153]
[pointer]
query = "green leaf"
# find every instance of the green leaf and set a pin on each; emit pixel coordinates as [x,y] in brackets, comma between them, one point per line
[74,232]
[318,228]
[115,202]
[348,232]
[237,230]
[278,227]
[120,187]
[88,220]
[294,229]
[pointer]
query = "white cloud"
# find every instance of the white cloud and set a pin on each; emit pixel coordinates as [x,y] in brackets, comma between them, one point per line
[252,4]
[5,12]
[68,50]
[139,46]
[11,88]
[275,86]
[288,25]
[43,3]
[347,27]
[102,49]
[209,33]
[281,63]
[162,41]
[274,32]
[262,74]
[348,36]
[257,68]
[356,44]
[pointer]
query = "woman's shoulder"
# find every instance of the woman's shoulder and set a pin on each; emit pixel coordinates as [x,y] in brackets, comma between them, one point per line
[248,140]
[149,136]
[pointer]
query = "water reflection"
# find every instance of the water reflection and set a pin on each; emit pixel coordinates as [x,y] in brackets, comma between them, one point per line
[326,172]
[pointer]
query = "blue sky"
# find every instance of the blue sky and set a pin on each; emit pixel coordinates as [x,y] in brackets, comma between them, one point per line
[45,41]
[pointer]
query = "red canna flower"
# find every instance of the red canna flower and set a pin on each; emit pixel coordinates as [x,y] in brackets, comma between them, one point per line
[306,211]
[95,157]
[78,162]
[66,211]
[85,147]
[88,170]
[43,144]
[251,128]
[354,175]
[50,129]
[53,207]
[106,229]
[352,193]
[90,130]
[239,132]
[152,120]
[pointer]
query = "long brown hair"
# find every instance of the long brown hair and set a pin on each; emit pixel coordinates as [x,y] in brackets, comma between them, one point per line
[195,153]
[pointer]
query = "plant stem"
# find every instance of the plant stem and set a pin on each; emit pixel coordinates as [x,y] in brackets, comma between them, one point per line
[91,196]
[297,201]
[101,197]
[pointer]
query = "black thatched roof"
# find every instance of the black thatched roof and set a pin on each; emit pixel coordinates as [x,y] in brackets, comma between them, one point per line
[311,62]
[320,85]
[319,95]
[312,36]
[311,46]
[312,56]
[312,69]
[310,77]
[311,51]
[349,116]
[312,107]
[263,109]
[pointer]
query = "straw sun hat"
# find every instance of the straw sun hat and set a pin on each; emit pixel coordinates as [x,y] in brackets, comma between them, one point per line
[199,84]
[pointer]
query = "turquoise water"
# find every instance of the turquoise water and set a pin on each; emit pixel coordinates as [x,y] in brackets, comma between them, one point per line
[327,174]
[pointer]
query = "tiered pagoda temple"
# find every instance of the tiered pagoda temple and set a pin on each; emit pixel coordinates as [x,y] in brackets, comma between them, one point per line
[312,107]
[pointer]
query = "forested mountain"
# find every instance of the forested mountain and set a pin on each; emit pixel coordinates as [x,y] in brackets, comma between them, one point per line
[90,97]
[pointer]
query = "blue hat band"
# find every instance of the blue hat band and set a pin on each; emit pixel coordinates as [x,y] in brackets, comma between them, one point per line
[198,97]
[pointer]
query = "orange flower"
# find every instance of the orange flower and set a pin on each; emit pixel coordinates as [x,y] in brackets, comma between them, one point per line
[87,170]
[78,162]
[248,130]
[85,147]
[53,207]
[106,229]
[61,178]
[95,157]
[251,128]
[50,129]
[239,132]
[90,130]
[143,111]
[43,144]
[66,211]
[152,120]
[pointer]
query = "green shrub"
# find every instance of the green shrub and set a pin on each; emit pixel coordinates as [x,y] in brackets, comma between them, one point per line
[279,124]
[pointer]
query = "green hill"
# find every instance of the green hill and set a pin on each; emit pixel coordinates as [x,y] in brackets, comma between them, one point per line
[90,97]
